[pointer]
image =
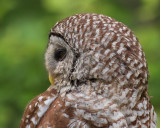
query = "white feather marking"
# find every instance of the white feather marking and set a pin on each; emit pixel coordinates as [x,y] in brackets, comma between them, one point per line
[28,126]
[34,120]
[65,115]
[40,98]
[129,74]
[43,109]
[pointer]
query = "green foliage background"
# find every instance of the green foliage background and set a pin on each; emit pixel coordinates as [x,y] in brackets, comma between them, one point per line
[24,28]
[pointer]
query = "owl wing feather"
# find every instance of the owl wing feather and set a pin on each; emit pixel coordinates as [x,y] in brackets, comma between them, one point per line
[37,108]
[72,110]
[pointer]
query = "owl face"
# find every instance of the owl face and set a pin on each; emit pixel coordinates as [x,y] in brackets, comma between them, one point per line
[58,59]
[64,63]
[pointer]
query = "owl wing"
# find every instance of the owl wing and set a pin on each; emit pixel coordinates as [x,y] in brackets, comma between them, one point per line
[37,108]
[72,110]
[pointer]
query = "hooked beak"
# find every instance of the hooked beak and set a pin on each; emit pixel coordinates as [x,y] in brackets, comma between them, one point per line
[51,79]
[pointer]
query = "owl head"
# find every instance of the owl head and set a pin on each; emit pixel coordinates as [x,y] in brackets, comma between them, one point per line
[95,48]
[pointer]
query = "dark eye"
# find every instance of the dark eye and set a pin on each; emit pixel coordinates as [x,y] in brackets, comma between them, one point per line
[60,54]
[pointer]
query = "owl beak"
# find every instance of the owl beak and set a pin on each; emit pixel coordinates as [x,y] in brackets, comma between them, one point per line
[51,79]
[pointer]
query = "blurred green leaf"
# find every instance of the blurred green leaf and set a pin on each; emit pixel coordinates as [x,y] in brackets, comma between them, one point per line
[24,28]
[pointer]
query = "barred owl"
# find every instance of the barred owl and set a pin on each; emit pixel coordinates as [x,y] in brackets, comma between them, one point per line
[99,78]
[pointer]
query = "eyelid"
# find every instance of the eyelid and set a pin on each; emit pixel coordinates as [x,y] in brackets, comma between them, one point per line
[57,35]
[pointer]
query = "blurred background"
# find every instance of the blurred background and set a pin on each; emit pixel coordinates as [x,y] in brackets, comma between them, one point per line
[24,28]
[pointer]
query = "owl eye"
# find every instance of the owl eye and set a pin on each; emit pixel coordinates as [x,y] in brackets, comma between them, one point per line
[60,54]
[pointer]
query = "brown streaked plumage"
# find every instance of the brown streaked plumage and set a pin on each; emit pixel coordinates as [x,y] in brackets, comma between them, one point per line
[100,78]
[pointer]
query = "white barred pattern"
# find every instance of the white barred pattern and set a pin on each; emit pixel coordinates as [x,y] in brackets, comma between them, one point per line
[101,83]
